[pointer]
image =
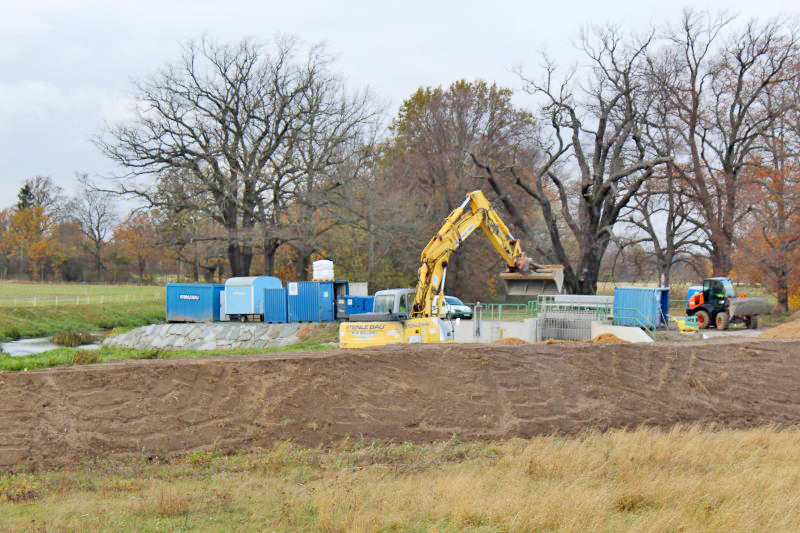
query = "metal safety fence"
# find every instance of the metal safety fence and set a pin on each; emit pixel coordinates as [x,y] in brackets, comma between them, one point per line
[47,300]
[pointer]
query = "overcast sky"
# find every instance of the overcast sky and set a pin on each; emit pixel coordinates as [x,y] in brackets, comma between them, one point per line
[66,65]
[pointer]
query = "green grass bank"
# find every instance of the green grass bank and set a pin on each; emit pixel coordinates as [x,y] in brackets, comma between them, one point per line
[71,356]
[24,322]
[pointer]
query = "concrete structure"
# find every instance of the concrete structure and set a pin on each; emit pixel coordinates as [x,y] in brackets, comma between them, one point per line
[626,333]
[486,331]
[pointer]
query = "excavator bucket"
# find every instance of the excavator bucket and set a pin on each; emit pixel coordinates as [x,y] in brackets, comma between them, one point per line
[543,279]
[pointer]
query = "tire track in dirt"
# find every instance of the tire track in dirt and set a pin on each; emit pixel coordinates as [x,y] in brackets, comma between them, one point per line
[403,393]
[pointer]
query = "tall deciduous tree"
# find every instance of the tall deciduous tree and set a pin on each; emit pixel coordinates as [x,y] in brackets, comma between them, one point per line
[95,212]
[718,84]
[434,133]
[594,160]
[224,120]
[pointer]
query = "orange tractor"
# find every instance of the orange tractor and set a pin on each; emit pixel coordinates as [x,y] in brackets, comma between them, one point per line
[718,305]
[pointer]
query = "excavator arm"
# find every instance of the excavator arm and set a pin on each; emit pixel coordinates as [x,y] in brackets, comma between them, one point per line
[522,276]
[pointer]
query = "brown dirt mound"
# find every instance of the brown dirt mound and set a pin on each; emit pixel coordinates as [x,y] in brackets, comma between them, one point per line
[787,330]
[555,341]
[608,337]
[510,340]
[161,407]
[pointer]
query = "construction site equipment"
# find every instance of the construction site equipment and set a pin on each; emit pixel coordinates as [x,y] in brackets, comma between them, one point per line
[400,317]
[646,307]
[193,302]
[687,325]
[310,301]
[244,296]
[718,305]
[275,306]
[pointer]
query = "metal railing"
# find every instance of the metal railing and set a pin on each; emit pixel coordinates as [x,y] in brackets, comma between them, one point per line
[45,300]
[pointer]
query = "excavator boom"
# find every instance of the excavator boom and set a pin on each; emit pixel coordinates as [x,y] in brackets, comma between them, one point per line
[522,277]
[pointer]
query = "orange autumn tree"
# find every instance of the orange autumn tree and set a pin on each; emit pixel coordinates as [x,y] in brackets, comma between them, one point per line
[769,252]
[136,241]
[31,242]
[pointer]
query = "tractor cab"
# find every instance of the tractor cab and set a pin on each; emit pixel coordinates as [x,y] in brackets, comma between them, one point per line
[718,290]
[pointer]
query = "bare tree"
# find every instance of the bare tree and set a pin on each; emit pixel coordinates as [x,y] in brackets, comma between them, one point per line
[329,135]
[717,88]
[594,160]
[659,220]
[215,120]
[96,213]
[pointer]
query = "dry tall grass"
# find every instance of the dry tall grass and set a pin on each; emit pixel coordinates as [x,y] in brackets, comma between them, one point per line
[645,480]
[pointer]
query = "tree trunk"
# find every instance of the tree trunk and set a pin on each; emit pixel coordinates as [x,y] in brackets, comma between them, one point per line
[270,248]
[721,257]
[783,290]
[303,264]
[239,258]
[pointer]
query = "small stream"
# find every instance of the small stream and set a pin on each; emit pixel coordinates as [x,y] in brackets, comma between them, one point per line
[36,345]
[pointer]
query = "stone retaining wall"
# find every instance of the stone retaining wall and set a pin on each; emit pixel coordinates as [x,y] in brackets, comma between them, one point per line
[207,336]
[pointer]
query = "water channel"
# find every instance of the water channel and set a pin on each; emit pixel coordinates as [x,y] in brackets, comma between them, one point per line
[36,345]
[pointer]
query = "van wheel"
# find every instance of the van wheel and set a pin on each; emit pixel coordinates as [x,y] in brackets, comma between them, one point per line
[703,319]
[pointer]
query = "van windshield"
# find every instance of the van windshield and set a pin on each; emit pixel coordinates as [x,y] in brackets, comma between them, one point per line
[383,303]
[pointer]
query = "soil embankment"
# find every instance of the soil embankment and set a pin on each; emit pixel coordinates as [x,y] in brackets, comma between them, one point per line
[406,393]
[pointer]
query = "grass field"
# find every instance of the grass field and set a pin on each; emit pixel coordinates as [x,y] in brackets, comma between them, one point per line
[40,309]
[646,480]
[29,294]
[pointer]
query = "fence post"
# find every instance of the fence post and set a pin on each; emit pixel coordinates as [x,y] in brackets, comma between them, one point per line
[34,301]
[56,300]
[101,300]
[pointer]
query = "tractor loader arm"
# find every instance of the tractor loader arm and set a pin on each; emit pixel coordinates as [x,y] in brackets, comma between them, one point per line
[522,277]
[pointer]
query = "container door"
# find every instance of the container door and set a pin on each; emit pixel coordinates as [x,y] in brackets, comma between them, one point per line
[325,299]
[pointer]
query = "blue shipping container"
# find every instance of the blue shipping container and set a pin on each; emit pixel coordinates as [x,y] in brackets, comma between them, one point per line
[641,306]
[245,296]
[310,301]
[193,302]
[275,305]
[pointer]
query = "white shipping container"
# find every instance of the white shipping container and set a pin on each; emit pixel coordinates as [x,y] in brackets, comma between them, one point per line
[358,288]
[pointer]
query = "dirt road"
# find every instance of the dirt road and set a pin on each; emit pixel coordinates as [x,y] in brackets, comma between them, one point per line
[406,393]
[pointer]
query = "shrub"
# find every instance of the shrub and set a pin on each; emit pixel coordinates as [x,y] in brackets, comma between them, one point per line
[84,357]
[71,338]
[153,353]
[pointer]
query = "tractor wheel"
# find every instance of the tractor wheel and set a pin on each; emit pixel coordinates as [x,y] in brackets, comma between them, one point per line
[751,322]
[722,320]
[703,320]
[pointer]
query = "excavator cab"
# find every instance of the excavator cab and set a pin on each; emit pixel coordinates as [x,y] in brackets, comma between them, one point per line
[541,279]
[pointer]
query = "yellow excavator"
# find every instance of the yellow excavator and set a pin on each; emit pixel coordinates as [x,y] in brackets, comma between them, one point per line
[415,315]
